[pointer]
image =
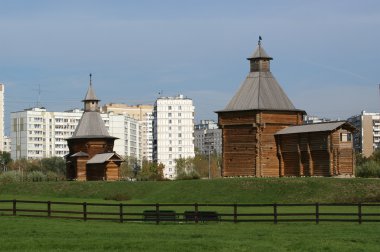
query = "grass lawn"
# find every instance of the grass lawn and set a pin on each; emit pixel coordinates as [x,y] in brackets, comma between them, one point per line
[240,190]
[43,234]
[34,234]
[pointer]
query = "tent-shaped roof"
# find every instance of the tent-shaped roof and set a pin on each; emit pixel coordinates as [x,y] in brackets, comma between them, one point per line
[103,157]
[90,95]
[316,127]
[260,91]
[260,53]
[91,125]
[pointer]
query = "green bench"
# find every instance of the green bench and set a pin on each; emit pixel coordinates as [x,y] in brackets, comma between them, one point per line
[161,215]
[202,216]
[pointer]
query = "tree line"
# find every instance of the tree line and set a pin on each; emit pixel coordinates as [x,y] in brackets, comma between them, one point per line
[54,168]
[368,167]
[199,166]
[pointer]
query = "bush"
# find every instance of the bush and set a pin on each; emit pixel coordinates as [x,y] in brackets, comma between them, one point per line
[368,169]
[188,176]
[118,197]
[10,177]
[36,176]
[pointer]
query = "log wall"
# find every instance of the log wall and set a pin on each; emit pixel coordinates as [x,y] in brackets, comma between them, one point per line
[249,145]
[315,154]
[77,167]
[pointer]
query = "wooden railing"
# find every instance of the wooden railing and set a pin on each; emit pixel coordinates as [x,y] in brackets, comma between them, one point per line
[275,213]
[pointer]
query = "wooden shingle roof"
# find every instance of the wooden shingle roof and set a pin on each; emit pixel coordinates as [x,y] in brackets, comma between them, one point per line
[260,91]
[90,95]
[103,157]
[91,125]
[316,127]
[260,53]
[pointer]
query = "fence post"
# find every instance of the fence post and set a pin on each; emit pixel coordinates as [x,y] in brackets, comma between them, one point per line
[360,213]
[84,211]
[14,207]
[275,213]
[49,208]
[196,212]
[235,213]
[121,212]
[157,213]
[317,213]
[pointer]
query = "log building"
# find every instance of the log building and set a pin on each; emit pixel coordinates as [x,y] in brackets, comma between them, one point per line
[320,149]
[91,155]
[249,122]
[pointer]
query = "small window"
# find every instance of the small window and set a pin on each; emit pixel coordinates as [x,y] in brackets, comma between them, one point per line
[170,107]
[169,114]
[170,148]
[345,137]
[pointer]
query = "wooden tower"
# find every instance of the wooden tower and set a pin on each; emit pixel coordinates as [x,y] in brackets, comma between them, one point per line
[256,112]
[91,155]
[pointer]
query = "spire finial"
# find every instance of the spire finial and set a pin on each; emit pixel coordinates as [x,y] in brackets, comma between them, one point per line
[90,78]
[259,43]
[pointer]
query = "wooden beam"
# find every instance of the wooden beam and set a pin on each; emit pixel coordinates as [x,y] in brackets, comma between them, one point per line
[300,166]
[331,168]
[311,165]
[279,155]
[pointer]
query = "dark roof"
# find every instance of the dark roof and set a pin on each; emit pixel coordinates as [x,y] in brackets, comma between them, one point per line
[80,154]
[316,127]
[103,157]
[260,91]
[91,125]
[260,53]
[90,95]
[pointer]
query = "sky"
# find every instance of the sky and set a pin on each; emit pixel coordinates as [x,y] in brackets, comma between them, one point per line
[326,53]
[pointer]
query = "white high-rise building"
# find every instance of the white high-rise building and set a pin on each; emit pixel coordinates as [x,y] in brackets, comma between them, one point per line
[147,129]
[37,133]
[2,117]
[367,137]
[142,113]
[173,132]
[7,144]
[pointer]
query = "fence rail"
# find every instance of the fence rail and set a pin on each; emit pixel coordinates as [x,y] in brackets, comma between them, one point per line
[196,212]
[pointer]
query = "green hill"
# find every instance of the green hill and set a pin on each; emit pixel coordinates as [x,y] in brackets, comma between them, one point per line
[241,190]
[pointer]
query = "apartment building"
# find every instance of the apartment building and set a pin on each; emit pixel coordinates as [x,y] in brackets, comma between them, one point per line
[2,117]
[309,119]
[141,113]
[37,133]
[173,131]
[7,144]
[367,137]
[208,137]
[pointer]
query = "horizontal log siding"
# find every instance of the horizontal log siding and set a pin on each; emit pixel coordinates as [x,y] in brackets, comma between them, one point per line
[239,150]
[248,138]
[345,155]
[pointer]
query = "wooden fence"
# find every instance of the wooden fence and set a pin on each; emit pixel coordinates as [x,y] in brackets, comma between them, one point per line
[274,213]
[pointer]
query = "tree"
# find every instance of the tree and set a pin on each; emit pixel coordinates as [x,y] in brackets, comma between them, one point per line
[185,168]
[5,160]
[152,171]
[53,164]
